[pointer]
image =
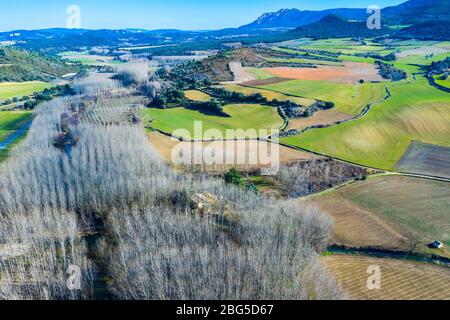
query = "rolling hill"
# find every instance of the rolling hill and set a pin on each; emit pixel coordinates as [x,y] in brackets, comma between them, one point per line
[22,65]
[417,11]
[333,26]
[428,30]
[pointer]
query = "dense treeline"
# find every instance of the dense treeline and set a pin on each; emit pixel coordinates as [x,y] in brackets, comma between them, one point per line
[333,26]
[437,30]
[388,71]
[440,66]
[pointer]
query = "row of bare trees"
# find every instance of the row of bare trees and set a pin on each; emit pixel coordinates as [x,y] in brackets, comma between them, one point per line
[151,242]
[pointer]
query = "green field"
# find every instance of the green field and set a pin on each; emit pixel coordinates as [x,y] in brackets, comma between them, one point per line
[196,95]
[416,111]
[88,59]
[11,121]
[410,205]
[270,95]
[349,98]
[445,83]
[241,116]
[259,73]
[345,46]
[306,61]
[10,90]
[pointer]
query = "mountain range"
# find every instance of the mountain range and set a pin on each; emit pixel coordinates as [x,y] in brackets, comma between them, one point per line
[293,18]
[423,19]
[410,12]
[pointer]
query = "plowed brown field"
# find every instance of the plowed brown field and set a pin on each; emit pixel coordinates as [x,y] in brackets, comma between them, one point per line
[351,72]
[400,279]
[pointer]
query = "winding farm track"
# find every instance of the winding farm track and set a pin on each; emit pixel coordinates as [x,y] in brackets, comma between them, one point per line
[363,113]
[433,83]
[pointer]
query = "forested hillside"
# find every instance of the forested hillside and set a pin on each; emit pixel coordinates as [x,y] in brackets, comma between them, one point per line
[21,65]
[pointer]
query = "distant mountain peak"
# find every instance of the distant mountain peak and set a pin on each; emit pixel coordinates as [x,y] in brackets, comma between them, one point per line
[273,17]
[409,12]
[293,18]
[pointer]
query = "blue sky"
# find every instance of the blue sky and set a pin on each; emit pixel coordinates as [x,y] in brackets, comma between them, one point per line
[157,14]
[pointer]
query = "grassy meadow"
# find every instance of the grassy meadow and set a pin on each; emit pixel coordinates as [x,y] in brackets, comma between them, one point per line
[348,98]
[258,73]
[241,116]
[196,95]
[9,90]
[11,121]
[442,82]
[88,59]
[268,94]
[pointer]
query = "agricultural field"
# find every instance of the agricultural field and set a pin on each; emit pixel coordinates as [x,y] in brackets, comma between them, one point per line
[268,94]
[258,73]
[426,159]
[306,61]
[400,279]
[440,81]
[9,90]
[12,127]
[415,64]
[348,98]
[89,59]
[241,116]
[350,72]
[196,95]
[320,118]
[166,147]
[415,112]
[390,212]
[345,46]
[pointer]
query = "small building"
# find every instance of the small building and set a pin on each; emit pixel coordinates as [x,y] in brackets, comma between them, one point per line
[436,245]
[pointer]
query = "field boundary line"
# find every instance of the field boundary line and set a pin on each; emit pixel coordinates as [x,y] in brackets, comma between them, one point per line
[388,172]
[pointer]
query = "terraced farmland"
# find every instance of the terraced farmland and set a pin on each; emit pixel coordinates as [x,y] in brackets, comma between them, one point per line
[415,112]
[400,279]
[241,116]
